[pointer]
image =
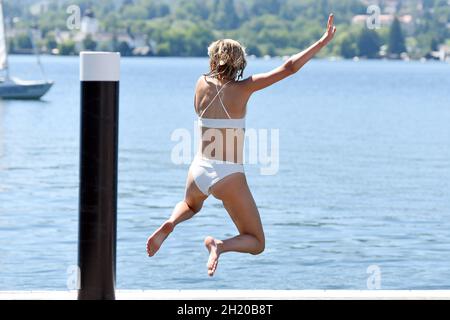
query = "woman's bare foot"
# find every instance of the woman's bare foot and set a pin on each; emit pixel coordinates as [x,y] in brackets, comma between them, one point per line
[214,252]
[157,238]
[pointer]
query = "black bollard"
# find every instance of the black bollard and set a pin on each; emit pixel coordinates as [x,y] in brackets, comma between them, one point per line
[99,76]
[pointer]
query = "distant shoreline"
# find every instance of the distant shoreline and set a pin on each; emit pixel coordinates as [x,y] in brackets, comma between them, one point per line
[331,59]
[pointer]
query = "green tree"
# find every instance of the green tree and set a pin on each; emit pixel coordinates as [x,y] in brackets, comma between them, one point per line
[368,43]
[124,49]
[161,10]
[260,7]
[163,49]
[50,41]
[396,43]
[67,48]
[133,12]
[187,40]
[253,49]
[23,41]
[111,22]
[89,43]
[225,16]
[348,47]
[192,9]
[434,44]
[11,46]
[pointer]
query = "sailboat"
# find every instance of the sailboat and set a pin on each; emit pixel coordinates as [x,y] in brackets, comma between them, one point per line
[13,88]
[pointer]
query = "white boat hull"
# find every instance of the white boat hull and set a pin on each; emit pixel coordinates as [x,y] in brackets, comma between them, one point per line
[13,88]
[17,89]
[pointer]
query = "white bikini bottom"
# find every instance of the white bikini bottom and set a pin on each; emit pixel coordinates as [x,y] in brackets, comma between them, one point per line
[207,172]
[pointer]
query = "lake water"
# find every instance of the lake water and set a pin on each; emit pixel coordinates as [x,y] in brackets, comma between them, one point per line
[363,179]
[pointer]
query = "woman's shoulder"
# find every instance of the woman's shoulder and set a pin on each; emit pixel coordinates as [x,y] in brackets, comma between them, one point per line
[201,81]
[244,81]
[205,82]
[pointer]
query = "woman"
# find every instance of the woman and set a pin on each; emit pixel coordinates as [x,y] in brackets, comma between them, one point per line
[220,102]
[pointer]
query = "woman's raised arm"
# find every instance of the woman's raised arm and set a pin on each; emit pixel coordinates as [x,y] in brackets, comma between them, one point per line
[292,65]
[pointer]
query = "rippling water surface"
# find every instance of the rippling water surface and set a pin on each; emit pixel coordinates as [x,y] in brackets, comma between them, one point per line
[363,179]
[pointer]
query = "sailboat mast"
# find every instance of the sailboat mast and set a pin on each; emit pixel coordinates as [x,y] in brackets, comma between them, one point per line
[33,37]
[3,45]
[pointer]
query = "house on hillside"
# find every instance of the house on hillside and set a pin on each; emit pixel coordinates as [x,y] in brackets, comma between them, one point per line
[89,23]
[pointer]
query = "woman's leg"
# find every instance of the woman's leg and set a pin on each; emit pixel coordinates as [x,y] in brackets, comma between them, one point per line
[238,201]
[184,210]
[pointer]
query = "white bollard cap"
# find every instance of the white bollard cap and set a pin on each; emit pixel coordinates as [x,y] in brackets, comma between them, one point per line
[99,66]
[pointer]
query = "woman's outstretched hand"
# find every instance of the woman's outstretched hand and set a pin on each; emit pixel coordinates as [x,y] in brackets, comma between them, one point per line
[291,65]
[331,30]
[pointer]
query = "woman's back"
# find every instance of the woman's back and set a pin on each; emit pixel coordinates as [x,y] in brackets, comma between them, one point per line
[221,107]
[232,96]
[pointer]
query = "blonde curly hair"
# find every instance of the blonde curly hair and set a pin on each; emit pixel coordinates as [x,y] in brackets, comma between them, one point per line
[226,59]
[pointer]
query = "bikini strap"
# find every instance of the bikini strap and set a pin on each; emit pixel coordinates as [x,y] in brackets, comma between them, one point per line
[221,102]
[217,94]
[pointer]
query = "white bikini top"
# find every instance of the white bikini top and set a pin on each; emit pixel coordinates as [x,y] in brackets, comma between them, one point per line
[220,123]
